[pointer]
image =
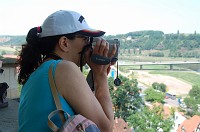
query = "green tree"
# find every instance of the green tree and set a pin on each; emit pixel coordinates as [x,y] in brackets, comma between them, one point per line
[162,87]
[155,85]
[3,52]
[126,98]
[159,86]
[154,96]
[193,101]
[195,92]
[150,120]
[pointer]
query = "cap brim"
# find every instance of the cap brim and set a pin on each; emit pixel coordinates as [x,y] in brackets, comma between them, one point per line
[92,33]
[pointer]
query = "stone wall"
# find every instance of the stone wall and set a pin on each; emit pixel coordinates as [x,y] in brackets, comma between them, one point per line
[9,76]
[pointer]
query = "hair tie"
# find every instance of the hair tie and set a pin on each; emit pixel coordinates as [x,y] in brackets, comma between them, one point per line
[39,29]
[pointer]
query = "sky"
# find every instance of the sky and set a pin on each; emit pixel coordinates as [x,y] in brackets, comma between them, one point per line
[112,16]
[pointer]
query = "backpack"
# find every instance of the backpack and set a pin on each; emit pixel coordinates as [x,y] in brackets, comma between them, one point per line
[76,123]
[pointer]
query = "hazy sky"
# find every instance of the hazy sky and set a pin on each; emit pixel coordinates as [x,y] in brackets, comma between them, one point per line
[112,16]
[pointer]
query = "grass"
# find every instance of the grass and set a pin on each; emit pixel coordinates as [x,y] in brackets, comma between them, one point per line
[190,77]
[7,50]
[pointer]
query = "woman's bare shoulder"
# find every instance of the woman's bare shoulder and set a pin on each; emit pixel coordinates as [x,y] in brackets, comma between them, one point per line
[67,64]
[68,70]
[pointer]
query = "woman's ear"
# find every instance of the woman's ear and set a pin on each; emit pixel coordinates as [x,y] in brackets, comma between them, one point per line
[63,43]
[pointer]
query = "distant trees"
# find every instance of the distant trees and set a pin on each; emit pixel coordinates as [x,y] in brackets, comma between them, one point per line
[159,86]
[3,52]
[178,32]
[144,40]
[185,54]
[193,101]
[148,40]
[195,92]
[13,40]
[157,54]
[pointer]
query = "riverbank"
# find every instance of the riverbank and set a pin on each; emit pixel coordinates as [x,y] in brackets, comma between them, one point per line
[174,85]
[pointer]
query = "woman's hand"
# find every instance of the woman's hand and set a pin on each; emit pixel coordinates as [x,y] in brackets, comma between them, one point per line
[102,93]
[101,48]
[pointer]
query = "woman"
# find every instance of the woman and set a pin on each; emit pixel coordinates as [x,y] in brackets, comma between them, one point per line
[61,41]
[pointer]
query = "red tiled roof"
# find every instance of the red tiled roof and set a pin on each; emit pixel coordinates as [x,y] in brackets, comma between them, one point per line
[181,113]
[167,111]
[190,125]
[10,56]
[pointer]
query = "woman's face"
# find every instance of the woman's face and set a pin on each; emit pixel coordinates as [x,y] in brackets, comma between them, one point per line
[76,46]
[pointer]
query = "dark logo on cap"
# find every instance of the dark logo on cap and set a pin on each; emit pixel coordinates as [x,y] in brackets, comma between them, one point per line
[81,18]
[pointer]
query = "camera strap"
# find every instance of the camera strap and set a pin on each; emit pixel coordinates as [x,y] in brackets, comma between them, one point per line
[117,81]
[98,60]
[53,56]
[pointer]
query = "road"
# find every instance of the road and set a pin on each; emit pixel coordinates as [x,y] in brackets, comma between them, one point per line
[169,101]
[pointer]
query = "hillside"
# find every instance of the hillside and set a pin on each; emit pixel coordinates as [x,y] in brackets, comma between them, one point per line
[148,40]
[12,40]
[178,45]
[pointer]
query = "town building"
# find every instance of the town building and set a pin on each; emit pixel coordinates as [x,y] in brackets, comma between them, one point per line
[190,125]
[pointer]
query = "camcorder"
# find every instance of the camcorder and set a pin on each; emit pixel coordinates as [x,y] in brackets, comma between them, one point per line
[101,60]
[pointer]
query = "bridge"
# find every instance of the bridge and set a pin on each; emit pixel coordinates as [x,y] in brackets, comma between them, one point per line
[170,63]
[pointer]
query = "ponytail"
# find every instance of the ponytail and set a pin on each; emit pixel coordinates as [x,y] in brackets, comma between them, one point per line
[30,57]
[35,50]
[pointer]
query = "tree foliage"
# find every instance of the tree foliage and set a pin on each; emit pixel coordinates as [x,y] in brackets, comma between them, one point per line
[159,86]
[150,120]
[195,92]
[12,40]
[126,98]
[193,101]
[143,40]
[157,54]
[153,95]
[149,40]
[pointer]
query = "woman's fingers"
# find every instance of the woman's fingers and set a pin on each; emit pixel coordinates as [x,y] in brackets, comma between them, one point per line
[113,49]
[106,50]
[103,48]
[97,46]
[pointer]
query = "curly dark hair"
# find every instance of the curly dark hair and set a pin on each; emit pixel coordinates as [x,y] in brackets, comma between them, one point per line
[34,51]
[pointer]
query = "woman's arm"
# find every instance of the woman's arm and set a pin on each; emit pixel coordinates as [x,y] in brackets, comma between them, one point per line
[73,86]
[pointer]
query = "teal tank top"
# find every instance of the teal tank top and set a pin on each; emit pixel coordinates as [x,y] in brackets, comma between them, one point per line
[36,101]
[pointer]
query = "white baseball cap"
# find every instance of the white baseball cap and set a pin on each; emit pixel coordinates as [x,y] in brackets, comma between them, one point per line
[65,22]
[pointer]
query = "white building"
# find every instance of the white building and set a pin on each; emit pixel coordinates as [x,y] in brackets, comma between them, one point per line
[129,38]
[179,118]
